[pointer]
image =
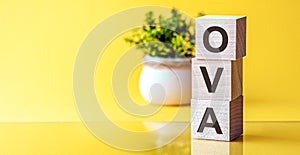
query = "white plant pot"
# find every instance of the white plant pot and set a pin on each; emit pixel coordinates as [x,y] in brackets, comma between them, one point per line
[166,81]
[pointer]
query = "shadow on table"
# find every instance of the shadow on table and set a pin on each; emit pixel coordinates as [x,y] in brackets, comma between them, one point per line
[207,147]
[184,145]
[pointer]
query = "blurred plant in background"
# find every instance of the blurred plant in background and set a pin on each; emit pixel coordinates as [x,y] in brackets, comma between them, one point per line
[172,37]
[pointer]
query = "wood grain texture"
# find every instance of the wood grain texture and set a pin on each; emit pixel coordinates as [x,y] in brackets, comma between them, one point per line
[235,27]
[221,110]
[236,118]
[241,37]
[229,86]
[229,115]
[236,78]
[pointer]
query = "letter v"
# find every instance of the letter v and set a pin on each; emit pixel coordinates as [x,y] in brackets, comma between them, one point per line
[211,87]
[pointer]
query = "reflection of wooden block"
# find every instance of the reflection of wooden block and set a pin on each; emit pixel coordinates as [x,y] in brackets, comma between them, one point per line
[227,87]
[217,119]
[220,37]
[205,147]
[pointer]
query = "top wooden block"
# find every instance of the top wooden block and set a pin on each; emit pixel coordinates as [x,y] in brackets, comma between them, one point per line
[220,37]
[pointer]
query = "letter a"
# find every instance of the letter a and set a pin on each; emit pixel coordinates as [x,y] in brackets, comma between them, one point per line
[215,124]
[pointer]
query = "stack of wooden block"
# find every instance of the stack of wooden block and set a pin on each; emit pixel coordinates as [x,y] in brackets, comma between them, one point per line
[217,101]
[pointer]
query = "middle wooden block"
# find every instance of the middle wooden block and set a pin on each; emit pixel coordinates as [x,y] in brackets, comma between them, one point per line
[216,79]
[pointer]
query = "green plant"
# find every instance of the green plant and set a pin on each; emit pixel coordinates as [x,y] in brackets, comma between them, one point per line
[172,37]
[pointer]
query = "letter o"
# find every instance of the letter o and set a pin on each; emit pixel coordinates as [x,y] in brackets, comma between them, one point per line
[206,39]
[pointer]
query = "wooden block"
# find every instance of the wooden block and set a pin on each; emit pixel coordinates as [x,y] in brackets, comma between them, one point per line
[205,147]
[217,119]
[222,82]
[220,37]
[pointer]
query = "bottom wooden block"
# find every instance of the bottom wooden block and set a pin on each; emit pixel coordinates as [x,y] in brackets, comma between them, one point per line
[205,147]
[217,119]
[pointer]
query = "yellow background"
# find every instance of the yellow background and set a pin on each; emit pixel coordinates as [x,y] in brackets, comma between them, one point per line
[39,41]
